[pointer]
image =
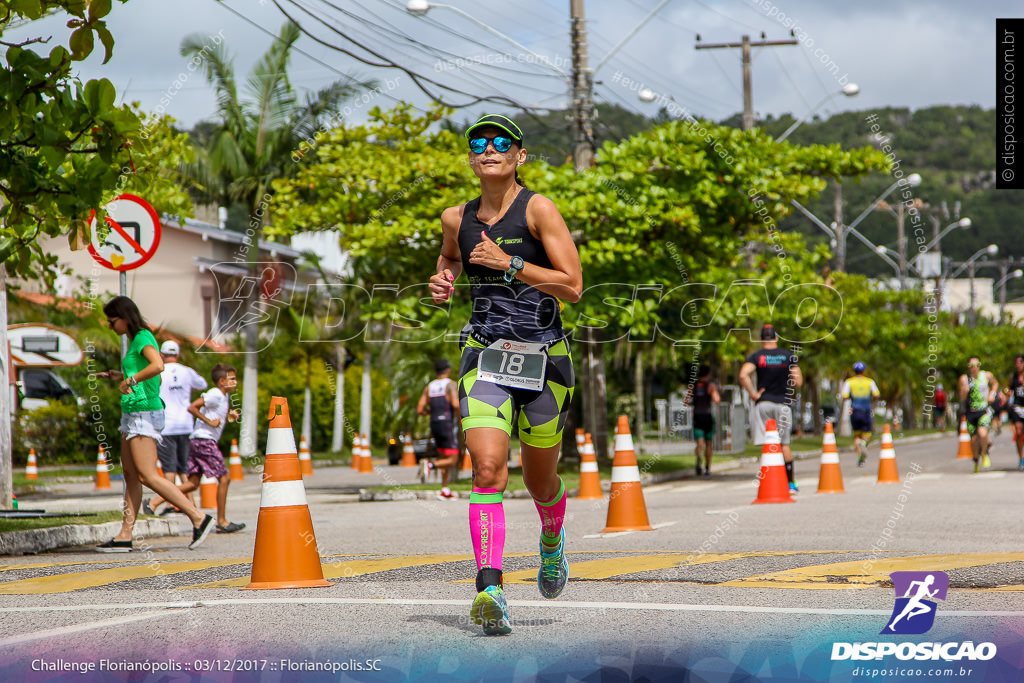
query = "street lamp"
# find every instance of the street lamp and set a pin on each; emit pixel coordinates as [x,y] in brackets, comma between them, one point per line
[885,252]
[850,89]
[840,231]
[1001,286]
[990,250]
[421,7]
[962,223]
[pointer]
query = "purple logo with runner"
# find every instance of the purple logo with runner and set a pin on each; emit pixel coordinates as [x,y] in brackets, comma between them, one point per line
[914,612]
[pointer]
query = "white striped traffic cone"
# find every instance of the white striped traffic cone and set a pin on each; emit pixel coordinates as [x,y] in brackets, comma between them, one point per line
[627,510]
[305,460]
[235,462]
[286,554]
[31,471]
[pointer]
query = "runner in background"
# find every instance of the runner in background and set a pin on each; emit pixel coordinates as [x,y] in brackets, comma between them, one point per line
[778,378]
[440,400]
[977,392]
[1016,407]
[941,408]
[701,396]
[862,393]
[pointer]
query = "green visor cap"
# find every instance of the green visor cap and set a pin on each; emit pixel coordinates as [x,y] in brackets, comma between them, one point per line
[497,121]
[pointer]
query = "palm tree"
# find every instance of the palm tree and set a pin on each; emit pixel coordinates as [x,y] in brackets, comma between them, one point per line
[252,146]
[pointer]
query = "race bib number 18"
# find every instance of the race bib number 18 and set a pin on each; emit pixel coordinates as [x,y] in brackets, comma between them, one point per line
[513,364]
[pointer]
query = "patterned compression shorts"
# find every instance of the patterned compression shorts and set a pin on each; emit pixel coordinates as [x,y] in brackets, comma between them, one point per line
[542,413]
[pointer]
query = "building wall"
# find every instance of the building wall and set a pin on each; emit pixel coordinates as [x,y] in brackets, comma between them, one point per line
[167,288]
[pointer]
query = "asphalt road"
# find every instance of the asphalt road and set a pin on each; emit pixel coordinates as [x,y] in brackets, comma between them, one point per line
[720,588]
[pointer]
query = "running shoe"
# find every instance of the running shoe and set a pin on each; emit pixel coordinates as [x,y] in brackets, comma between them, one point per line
[861,459]
[146,509]
[446,494]
[490,610]
[698,469]
[554,570]
[707,474]
[985,462]
[1020,465]
[200,532]
[114,546]
[793,488]
[977,467]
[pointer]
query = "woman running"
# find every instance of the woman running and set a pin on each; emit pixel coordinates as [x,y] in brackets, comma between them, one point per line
[142,420]
[520,261]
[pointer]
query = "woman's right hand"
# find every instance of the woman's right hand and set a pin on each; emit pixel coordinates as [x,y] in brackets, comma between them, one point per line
[441,286]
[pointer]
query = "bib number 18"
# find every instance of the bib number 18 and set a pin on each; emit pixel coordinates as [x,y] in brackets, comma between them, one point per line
[513,364]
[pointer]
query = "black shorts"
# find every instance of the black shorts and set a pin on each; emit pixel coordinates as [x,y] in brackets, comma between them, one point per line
[860,421]
[1016,413]
[445,438]
[173,452]
[703,423]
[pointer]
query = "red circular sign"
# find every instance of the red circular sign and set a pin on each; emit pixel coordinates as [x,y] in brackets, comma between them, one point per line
[133,237]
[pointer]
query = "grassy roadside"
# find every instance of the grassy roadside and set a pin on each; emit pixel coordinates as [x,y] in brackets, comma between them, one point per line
[49,522]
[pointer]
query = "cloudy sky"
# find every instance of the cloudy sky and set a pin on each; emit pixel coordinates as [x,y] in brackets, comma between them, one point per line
[907,54]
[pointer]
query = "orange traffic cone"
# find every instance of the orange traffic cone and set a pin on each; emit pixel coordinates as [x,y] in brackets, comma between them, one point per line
[626,508]
[159,469]
[887,473]
[408,453]
[357,452]
[515,458]
[963,450]
[365,463]
[580,440]
[102,470]
[774,487]
[590,479]
[830,480]
[31,471]
[286,554]
[207,493]
[235,461]
[467,463]
[305,460]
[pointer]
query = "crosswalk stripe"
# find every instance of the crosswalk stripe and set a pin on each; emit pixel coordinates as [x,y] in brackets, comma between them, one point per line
[867,573]
[79,628]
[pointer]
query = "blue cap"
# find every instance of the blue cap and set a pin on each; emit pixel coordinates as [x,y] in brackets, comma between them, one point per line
[859,367]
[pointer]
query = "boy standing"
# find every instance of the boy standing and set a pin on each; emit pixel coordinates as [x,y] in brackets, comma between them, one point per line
[212,411]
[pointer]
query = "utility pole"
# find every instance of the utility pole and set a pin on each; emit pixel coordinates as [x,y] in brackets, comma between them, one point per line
[748,89]
[595,408]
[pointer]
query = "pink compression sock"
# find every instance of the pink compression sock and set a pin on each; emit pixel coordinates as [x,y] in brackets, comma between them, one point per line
[487,527]
[552,513]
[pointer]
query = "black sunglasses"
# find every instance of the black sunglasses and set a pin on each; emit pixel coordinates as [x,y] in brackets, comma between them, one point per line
[501,143]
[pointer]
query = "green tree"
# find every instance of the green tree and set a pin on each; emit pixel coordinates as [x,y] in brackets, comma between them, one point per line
[258,139]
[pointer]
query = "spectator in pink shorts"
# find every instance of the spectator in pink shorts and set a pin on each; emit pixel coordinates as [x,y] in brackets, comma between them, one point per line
[211,411]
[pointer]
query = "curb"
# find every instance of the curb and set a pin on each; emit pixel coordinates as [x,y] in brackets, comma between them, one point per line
[33,541]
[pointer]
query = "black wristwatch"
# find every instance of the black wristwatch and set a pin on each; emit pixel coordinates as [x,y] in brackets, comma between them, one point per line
[515,265]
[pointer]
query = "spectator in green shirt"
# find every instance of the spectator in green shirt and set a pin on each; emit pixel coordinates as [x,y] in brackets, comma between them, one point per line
[142,420]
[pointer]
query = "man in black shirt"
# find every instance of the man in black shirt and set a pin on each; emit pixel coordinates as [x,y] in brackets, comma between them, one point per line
[778,378]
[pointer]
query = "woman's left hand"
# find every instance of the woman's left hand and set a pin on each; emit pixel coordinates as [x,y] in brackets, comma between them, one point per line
[488,254]
[124,388]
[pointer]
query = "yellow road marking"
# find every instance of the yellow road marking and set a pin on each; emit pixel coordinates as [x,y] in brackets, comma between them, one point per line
[63,583]
[856,575]
[43,565]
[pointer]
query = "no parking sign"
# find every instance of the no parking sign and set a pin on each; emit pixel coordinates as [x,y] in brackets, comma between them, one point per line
[133,237]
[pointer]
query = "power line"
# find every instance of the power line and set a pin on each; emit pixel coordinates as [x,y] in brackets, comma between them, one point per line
[418,79]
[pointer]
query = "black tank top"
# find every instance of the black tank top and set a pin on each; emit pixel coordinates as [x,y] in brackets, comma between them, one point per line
[507,310]
[437,396]
[702,398]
